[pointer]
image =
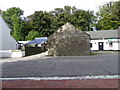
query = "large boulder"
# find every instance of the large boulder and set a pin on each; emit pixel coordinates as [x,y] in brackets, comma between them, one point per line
[69,41]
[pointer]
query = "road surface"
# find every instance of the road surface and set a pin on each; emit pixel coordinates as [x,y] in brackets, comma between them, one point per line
[68,66]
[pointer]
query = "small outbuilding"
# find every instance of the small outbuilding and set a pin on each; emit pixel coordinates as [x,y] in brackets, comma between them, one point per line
[105,40]
[35,46]
[69,41]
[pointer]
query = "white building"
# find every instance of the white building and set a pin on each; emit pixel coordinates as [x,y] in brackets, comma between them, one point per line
[7,42]
[105,40]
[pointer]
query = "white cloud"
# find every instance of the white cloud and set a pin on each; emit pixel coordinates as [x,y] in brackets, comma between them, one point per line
[29,6]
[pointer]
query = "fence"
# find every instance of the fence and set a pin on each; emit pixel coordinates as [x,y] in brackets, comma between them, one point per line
[31,49]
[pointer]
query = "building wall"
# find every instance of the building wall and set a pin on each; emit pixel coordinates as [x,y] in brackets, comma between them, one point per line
[69,41]
[106,44]
[12,53]
[7,42]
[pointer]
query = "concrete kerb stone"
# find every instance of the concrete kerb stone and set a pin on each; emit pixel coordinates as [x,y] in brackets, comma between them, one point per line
[104,52]
[41,55]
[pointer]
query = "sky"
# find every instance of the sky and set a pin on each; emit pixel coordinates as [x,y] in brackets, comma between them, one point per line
[30,6]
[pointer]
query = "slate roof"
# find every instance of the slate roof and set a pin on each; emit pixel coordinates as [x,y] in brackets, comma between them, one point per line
[104,34]
[38,40]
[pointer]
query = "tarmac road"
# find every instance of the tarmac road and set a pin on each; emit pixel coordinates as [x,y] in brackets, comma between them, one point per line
[62,66]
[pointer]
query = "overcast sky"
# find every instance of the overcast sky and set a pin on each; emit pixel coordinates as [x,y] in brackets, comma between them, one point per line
[29,6]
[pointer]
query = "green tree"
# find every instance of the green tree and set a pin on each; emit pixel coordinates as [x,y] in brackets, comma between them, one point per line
[80,18]
[32,35]
[45,23]
[9,13]
[116,10]
[41,22]
[26,26]
[67,9]
[12,16]
[108,15]
[16,27]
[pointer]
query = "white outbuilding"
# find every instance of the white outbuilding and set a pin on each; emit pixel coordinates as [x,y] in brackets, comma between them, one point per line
[105,40]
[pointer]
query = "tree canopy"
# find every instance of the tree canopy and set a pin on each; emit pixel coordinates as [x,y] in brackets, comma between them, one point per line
[31,35]
[9,13]
[109,16]
[43,24]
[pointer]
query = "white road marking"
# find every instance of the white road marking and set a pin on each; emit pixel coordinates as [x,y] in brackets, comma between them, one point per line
[64,78]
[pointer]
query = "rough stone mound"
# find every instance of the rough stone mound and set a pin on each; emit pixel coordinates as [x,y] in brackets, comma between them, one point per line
[69,41]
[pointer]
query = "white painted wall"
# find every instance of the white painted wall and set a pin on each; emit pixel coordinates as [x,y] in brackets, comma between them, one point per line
[18,53]
[5,53]
[7,42]
[106,46]
[10,53]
